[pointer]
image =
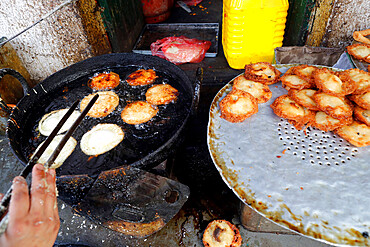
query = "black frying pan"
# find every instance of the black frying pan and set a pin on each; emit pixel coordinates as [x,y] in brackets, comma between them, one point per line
[143,146]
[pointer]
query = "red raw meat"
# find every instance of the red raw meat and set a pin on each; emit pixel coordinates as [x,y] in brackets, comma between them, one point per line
[179,50]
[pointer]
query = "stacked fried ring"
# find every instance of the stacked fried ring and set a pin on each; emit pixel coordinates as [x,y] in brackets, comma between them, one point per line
[318,97]
[249,90]
[327,100]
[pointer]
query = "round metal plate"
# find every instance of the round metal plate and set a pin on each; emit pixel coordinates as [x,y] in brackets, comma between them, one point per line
[312,182]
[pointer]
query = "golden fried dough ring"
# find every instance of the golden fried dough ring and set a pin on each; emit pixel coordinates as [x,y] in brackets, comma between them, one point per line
[362,115]
[104,105]
[291,81]
[138,112]
[258,90]
[237,106]
[324,122]
[263,72]
[360,78]
[221,233]
[357,134]
[141,77]
[360,36]
[334,83]
[286,107]
[362,100]
[304,97]
[304,70]
[161,94]
[360,52]
[104,81]
[334,106]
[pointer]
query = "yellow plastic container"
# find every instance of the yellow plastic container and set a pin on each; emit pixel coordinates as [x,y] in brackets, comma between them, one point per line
[252,29]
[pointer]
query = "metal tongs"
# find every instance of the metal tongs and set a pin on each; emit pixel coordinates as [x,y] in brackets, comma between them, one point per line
[28,168]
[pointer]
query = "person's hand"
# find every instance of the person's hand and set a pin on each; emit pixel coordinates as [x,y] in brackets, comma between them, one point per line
[33,219]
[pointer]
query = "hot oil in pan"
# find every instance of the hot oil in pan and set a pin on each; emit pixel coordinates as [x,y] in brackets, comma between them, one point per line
[139,141]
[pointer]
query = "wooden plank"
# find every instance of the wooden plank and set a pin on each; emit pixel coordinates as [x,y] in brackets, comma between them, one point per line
[318,22]
[297,22]
[123,20]
[94,26]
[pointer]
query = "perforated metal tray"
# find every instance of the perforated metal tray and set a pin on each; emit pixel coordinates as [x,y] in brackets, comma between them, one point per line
[312,182]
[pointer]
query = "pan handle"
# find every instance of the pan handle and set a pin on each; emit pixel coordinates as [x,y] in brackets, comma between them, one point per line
[197,86]
[20,78]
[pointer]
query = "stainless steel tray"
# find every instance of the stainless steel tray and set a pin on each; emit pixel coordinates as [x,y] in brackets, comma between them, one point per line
[312,182]
[201,31]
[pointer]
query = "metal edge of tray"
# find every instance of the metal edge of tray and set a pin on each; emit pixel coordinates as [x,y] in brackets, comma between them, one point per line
[214,26]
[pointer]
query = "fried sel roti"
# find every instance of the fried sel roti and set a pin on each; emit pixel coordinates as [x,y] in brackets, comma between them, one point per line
[104,105]
[138,112]
[104,81]
[334,106]
[286,107]
[361,79]
[357,134]
[360,52]
[360,36]
[304,97]
[290,81]
[101,138]
[362,115]
[324,122]
[161,94]
[304,71]
[141,77]
[50,120]
[221,233]
[263,72]
[237,106]
[258,90]
[362,100]
[335,83]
